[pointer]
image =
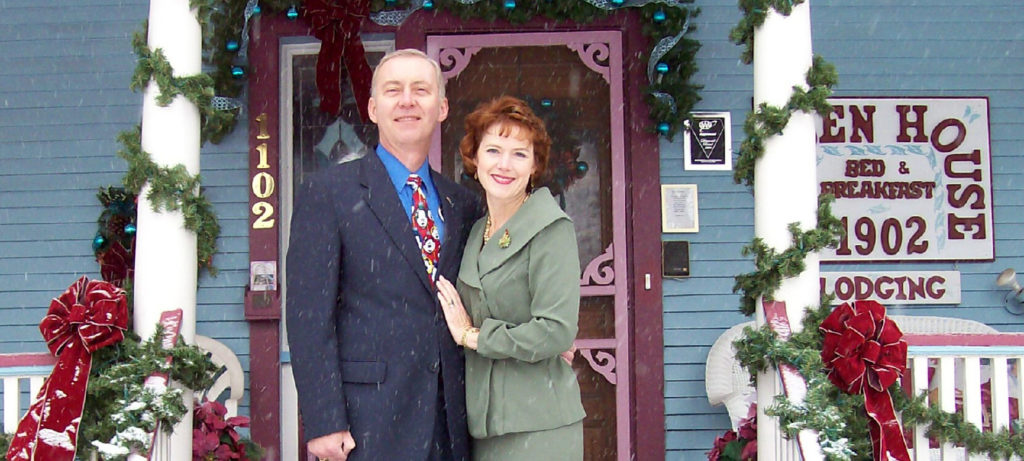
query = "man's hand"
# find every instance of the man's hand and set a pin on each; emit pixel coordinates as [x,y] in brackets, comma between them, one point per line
[332,447]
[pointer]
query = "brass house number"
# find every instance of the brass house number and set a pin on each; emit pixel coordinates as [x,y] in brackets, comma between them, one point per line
[263,182]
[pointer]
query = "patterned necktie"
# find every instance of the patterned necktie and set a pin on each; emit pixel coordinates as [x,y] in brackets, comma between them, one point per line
[423,225]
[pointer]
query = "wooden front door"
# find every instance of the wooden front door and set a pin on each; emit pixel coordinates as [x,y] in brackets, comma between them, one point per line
[573,81]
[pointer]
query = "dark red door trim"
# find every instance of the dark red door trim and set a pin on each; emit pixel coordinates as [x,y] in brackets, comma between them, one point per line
[263,309]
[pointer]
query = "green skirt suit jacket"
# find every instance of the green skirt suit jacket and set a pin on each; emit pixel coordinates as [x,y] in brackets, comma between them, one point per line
[521,289]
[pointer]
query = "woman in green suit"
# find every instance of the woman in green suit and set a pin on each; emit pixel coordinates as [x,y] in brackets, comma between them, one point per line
[516,303]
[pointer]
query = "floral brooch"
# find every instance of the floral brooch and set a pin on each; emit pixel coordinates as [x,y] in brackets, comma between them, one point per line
[505,241]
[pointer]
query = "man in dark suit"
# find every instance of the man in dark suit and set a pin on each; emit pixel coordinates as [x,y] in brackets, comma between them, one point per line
[378,375]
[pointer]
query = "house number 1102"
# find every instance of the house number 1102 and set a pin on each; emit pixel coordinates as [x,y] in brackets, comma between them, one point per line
[262,182]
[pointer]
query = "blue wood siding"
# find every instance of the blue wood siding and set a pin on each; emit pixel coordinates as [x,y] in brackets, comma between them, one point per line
[65,67]
[881,48]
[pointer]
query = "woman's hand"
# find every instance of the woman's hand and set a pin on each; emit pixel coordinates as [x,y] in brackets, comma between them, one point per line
[459,323]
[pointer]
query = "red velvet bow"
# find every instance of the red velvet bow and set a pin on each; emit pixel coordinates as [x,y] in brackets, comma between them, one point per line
[336,23]
[864,353]
[90,315]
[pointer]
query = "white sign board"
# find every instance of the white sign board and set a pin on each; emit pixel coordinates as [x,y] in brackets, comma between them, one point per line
[893,288]
[912,178]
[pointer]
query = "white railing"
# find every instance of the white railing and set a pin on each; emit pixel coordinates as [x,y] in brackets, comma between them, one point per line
[976,375]
[963,365]
[16,372]
[23,375]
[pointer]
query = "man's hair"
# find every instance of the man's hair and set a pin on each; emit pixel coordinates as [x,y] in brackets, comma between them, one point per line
[410,53]
[506,112]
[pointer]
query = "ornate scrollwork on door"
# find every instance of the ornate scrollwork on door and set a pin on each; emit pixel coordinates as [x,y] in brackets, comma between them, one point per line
[454,60]
[601,361]
[600,271]
[593,55]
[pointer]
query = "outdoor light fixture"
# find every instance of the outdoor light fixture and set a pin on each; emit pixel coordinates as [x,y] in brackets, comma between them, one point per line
[1008,279]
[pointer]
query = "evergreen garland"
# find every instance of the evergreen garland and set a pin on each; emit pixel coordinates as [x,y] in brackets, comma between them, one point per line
[661,19]
[172,189]
[199,89]
[120,411]
[951,427]
[754,14]
[768,120]
[772,267]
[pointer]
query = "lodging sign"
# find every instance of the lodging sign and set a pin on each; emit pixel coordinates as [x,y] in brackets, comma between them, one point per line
[893,287]
[912,178]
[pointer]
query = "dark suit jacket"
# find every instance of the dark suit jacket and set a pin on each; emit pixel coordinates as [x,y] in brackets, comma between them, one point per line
[366,333]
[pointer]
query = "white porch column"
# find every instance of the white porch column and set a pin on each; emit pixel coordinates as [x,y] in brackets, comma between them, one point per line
[165,252]
[785,187]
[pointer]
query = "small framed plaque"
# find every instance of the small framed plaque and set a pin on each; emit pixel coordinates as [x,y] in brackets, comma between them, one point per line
[263,275]
[708,142]
[679,208]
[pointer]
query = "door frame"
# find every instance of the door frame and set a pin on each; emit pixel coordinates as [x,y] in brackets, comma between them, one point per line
[588,45]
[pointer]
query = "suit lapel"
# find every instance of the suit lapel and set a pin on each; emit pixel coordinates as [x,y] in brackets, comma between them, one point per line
[469,271]
[454,220]
[385,204]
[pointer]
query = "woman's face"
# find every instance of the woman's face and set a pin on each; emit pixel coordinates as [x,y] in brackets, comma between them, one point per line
[505,163]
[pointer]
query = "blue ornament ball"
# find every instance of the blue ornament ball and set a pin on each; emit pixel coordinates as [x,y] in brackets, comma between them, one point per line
[129,229]
[293,13]
[428,5]
[664,128]
[98,242]
[581,169]
[659,16]
[662,68]
[510,4]
[237,72]
[256,9]
[231,45]
[546,102]
[618,2]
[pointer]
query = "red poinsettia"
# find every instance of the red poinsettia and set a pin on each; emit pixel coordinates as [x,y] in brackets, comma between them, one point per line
[214,437]
[738,445]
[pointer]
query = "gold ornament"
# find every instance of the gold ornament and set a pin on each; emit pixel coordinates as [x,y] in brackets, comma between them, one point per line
[505,241]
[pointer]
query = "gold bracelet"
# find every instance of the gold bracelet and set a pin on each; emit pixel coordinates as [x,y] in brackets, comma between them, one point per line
[462,342]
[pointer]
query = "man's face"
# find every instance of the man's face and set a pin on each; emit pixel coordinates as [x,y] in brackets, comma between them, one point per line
[406,104]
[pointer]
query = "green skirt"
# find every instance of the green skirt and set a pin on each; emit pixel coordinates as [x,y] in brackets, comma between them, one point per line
[559,444]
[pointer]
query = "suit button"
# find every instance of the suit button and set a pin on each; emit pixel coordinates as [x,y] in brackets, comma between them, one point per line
[434,367]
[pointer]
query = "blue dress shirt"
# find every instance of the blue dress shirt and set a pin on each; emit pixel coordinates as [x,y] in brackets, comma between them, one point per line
[399,174]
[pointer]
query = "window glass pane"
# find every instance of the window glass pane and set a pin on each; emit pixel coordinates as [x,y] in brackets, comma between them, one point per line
[574,102]
[321,139]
